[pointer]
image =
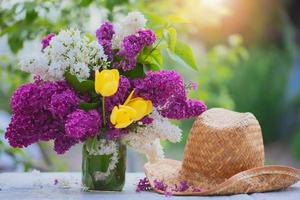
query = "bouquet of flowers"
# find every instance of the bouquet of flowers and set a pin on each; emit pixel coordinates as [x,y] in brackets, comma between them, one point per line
[107,92]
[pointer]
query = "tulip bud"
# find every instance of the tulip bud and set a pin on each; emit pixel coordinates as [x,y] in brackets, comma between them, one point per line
[107,82]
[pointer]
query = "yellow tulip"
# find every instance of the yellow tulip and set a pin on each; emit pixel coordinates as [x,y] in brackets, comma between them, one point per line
[143,107]
[107,82]
[122,116]
[132,110]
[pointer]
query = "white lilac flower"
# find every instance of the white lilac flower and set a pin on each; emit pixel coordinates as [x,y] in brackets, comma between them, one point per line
[81,70]
[35,64]
[96,54]
[127,26]
[146,139]
[69,50]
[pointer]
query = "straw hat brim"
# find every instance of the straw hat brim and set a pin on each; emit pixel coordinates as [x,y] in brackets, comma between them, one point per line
[260,179]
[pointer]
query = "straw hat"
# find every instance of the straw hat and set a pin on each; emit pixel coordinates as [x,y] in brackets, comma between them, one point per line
[224,155]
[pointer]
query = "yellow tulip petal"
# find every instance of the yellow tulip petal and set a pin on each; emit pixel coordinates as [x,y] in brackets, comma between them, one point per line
[142,107]
[122,116]
[113,115]
[123,119]
[132,113]
[109,89]
[149,107]
[123,125]
[97,83]
[116,74]
[129,97]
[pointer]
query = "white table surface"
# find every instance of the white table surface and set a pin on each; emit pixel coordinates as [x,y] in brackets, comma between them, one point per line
[35,185]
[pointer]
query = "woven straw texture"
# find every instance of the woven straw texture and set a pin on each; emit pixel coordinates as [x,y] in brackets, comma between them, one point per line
[224,154]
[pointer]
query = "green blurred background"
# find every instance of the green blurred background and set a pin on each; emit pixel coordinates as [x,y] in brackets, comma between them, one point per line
[247,54]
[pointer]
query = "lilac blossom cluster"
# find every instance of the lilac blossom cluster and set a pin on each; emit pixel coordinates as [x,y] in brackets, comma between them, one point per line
[168,94]
[81,124]
[167,189]
[143,185]
[49,110]
[132,46]
[104,35]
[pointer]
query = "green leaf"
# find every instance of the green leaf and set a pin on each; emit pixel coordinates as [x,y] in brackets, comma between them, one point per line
[31,15]
[87,86]
[110,4]
[88,106]
[153,67]
[154,59]
[173,61]
[80,86]
[138,72]
[185,52]
[73,81]
[15,42]
[85,3]
[172,38]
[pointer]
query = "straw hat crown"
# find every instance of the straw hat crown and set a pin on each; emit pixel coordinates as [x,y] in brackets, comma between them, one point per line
[221,144]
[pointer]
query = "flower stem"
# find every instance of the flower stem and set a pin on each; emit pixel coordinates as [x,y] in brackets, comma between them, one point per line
[103,110]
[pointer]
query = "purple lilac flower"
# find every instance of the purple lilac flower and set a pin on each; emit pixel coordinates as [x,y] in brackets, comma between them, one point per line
[195,107]
[183,186]
[119,97]
[194,85]
[196,189]
[178,108]
[104,35]
[107,46]
[147,36]
[50,129]
[113,133]
[63,143]
[26,99]
[143,185]
[160,86]
[31,120]
[37,110]
[159,185]
[168,94]
[168,193]
[131,47]
[105,32]
[46,40]
[63,103]
[81,124]
[22,131]
[175,108]
[48,89]
[147,120]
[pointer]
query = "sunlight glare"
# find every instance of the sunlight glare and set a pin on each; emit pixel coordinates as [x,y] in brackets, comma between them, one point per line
[213,3]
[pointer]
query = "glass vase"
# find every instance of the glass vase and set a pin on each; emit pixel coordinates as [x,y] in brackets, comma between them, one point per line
[103,170]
